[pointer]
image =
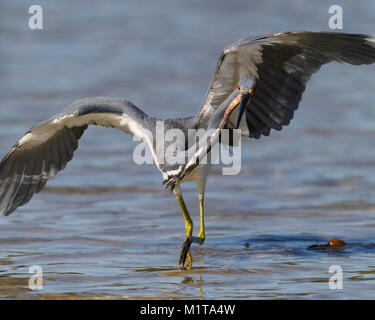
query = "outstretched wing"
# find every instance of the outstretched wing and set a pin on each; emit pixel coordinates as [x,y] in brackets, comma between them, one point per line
[283,63]
[46,148]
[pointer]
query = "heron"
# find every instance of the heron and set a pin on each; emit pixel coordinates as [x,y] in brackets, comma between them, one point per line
[257,86]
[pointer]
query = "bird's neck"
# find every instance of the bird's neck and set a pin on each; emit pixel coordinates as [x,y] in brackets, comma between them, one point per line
[222,113]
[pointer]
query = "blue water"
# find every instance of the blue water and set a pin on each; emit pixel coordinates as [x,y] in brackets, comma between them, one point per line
[105,227]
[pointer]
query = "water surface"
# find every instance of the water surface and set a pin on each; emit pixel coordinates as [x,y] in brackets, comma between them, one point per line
[105,227]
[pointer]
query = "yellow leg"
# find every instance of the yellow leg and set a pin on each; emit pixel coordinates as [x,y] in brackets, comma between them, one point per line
[185,261]
[185,257]
[185,213]
[201,235]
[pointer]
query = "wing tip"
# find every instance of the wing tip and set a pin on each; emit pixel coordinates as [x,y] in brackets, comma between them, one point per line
[8,210]
[371,41]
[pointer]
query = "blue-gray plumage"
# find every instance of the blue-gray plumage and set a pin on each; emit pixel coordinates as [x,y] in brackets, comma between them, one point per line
[257,86]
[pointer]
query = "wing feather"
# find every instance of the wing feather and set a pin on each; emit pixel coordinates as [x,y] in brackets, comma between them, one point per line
[283,64]
[46,149]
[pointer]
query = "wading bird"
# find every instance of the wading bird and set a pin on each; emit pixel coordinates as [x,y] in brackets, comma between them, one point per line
[257,86]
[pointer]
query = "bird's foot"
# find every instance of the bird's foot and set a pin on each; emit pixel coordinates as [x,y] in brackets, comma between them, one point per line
[198,240]
[170,182]
[185,261]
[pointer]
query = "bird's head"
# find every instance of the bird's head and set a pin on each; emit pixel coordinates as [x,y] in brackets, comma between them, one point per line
[246,86]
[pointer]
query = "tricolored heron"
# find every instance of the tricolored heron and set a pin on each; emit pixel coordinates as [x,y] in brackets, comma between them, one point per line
[257,86]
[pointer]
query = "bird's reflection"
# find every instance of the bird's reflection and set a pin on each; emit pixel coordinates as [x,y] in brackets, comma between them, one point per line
[197,283]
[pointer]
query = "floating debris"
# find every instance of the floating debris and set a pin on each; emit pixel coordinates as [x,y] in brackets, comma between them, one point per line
[334,243]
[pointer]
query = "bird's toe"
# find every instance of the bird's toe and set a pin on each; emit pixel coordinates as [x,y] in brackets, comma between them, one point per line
[185,261]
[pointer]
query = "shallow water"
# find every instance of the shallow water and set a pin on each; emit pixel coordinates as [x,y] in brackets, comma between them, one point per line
[105,228]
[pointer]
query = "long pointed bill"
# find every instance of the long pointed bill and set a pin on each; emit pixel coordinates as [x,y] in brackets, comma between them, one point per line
[244,99]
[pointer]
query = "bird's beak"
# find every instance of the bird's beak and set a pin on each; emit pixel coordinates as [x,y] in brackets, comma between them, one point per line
[245,96]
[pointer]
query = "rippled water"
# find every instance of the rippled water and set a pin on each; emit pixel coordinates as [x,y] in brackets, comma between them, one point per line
[105,228]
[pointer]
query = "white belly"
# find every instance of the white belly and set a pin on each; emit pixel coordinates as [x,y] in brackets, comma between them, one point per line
[199,174]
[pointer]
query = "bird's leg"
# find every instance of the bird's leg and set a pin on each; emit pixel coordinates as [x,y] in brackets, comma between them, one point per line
[201,235]
[185,261]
